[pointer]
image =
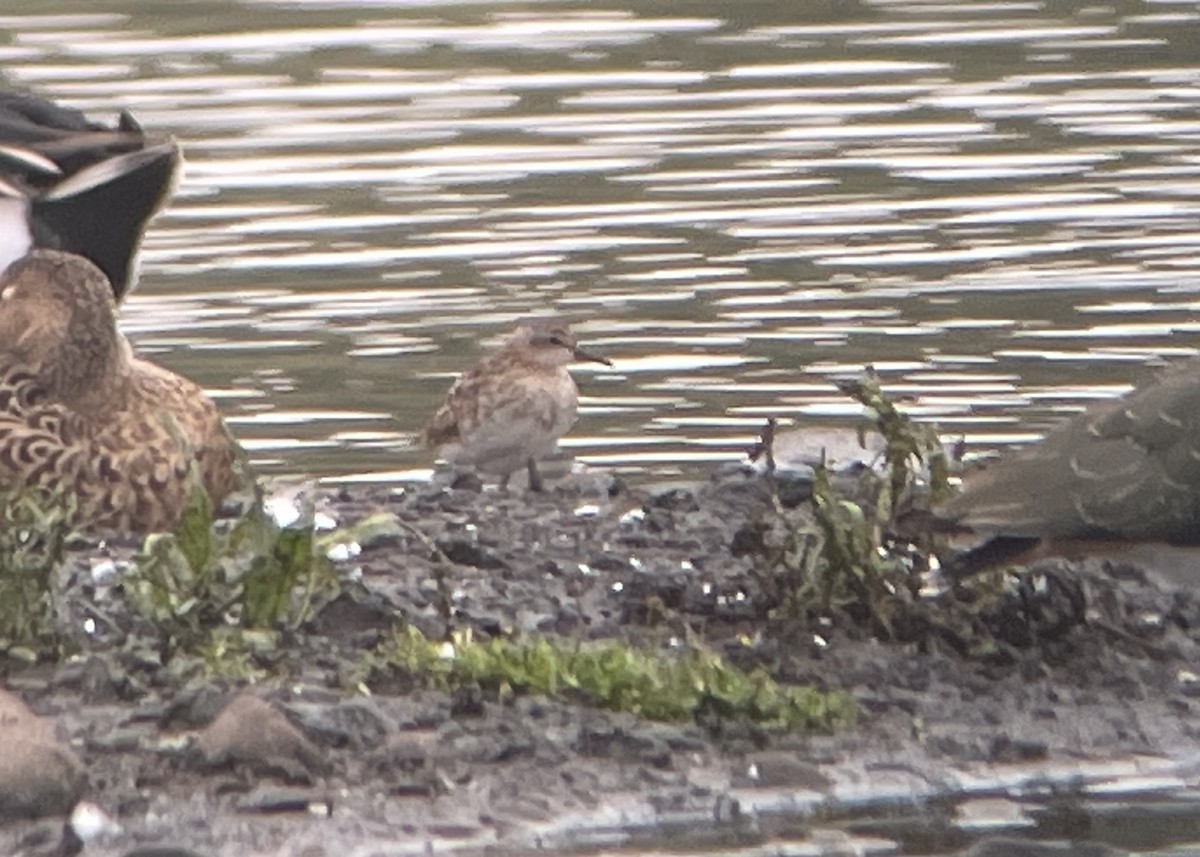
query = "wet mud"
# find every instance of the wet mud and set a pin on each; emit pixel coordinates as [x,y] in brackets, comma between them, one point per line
[1075,673]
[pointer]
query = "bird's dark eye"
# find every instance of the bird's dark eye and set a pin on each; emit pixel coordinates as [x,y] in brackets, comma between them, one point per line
[557,339]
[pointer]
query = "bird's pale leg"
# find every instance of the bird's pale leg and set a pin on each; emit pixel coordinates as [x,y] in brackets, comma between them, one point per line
[535,478]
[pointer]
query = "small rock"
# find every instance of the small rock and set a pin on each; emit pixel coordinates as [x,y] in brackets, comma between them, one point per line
[726,809]
[1007,750]
[50,839]
[675,497]
[608,562]
[270,801]
[491,746]
[252,732]
[465,552]
[467,482]
[115,741]
[407,763]
[601,739]
[91,823]
[38,775]
[467,702]
[780,769]
[409,750]
[793,490]
[92,676]
[749,539]
[353,612]
[98,684]
[354,723]
[193,707]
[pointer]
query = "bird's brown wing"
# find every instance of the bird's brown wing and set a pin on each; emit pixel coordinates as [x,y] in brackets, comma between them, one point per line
[1129,468]
[458,415]
[443,425]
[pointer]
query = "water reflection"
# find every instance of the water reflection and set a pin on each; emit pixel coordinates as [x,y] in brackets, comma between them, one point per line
[993,203]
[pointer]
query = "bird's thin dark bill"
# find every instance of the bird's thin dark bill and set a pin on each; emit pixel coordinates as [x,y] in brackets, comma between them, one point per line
[584,354]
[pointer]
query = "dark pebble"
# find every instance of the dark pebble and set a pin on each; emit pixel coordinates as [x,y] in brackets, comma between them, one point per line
[355,724]
[462,551]
[1007,750]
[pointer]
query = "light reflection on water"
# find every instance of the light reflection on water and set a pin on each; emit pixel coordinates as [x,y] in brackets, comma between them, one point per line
[995,204]
[992,203]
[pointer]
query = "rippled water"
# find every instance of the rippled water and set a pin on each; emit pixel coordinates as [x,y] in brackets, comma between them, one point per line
[995,203]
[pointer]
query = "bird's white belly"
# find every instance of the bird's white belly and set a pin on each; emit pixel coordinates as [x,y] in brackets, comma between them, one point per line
[528,427]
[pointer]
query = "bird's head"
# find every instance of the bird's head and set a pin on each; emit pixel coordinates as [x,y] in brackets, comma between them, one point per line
[550,342]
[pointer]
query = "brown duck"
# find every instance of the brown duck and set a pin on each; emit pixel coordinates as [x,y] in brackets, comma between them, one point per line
[1124,471]
[78,411]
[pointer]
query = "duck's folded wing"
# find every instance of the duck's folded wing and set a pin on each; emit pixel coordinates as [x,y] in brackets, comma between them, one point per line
[101,212]
[89,189]
[1129,469]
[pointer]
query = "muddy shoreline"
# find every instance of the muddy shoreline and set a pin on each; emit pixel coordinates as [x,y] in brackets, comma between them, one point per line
[1089,680]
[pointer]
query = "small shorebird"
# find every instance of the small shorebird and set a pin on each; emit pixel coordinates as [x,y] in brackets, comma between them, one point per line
[513,406]
[79,412]
[67,183]
[1124,471]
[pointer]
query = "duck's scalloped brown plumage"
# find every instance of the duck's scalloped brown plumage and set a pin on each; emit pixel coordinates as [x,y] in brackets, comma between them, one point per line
[79,412]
